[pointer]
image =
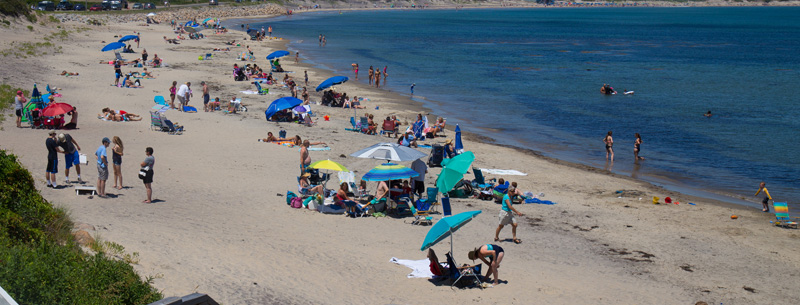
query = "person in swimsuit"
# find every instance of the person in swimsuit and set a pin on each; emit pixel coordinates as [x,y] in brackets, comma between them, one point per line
[765,201]
[305,157]
[507,216]
[370,73]
[116,160]
[637,145]
[495,254]
[349,204]
[355,69]
[307,189]
[172,91]
[609,146]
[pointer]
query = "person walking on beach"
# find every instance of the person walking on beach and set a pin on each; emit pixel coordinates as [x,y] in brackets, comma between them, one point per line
[305,157]
[306,75]
[102,167]
[385,74]
[507,212]
[148,164]
[71,156]
[495,254]
[762,188]
[421,168]
[172,90]
[52,160]
[206,96]
[19,103]
[637,145]
[116,160]
[117,71]
[183,95]
[370,73]
[355,69]
[609,141]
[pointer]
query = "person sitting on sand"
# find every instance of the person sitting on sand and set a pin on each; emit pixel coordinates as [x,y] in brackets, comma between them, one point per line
[132,84]
[307,189]
[408,139]
[372,126]
[449,148]
[233,104]
[156,61]
[147,74]
[214,105]
[65,73]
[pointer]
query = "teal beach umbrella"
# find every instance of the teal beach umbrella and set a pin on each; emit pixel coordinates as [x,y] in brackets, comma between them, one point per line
[446,227]
[453,171]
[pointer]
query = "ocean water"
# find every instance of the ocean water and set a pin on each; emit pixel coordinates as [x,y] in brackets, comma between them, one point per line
[531,78]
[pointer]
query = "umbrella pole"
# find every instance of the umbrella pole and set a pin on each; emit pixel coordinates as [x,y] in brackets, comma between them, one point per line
[451,243]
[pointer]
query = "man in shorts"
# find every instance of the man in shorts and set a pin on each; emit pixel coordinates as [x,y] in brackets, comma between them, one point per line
[102,167]
[19,103]
[421,168]
[117,71]
[183,94]
[206,96]
[71,155]
[52,160]
[507,216]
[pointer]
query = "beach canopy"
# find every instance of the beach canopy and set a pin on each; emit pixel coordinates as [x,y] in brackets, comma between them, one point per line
[446,227]
[206,20]
[128,37]
[113,46]
[191,29]
[459,146]
[453,171]
[328,164]
[287,102]
[389,171]
[278,54]
[55,109]
[389,152]
[332,82]
[190,23]
[151,14]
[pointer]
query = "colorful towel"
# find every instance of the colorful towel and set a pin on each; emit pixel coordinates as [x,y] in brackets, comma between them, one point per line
[539,201]
[502,172]
[316,148]
[419,269]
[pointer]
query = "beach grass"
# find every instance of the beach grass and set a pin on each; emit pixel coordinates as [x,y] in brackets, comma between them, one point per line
[40,262]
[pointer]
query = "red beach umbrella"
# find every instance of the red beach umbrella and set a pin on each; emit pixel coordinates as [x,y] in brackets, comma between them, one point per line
[55,109]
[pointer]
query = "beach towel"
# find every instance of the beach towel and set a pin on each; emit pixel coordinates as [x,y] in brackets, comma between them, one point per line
[249,92]
[419,268]
[316,148]
[502,172]
[539,201]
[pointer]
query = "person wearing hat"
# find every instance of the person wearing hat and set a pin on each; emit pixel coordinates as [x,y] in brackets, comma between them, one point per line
[495,254]
[102,167]
[19,103]
[52,160]
[71,155]
[449,148]
[307,189]
[507,216]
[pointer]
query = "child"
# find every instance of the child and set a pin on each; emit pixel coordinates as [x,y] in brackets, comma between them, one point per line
[214,105]
[767,197]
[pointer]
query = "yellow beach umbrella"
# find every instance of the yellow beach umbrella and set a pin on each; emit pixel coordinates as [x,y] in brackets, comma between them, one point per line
[328,164]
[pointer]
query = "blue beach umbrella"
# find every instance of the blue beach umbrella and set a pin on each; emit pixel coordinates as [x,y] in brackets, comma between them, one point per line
[281,104]
[453,171]
[389,171]
[278,54]
[445,227]
[331,82]
[129,37]
[113,46]
[459,146]
[190,23]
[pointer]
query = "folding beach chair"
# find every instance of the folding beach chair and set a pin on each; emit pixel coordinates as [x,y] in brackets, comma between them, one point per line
[432,193]
[118,56]
[353,122]
[480,184]
[420,212]
[465,272]
[155,121]
[364,124]
[446,207]
[782,218]
[261,91]
[169,127]
[159,100]
[389,128]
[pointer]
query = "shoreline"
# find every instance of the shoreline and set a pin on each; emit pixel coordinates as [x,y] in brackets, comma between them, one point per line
[222,227]
[668,183]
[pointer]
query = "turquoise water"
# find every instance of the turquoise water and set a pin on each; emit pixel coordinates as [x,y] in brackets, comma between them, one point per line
[531,78]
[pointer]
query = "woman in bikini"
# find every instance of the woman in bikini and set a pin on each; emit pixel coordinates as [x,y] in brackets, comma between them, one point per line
[609,141]
[172,91]
[370,73]
[637,146]
[495,254]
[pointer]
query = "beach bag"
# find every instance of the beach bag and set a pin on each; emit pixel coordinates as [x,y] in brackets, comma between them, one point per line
[437,155]
[289,196]
[297,202]
[143,172]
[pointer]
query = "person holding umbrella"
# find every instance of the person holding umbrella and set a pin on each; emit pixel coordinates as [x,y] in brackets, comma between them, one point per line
[507,217]
[495,254]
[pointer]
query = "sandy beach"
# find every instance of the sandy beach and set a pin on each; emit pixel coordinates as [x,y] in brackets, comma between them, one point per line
[221,225]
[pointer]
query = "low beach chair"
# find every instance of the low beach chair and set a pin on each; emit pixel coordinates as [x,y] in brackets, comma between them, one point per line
[446,207]
[159,100]
[169,127]
[155,121]
[353,122]
[782,218]
[208,56]
[389,128]
[364,124]
[466,272]
[433,194]
[420,212]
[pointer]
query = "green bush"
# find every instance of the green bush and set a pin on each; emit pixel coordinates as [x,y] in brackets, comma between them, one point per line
[39,261]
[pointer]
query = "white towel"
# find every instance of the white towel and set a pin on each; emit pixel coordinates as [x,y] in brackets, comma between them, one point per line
[502,172]
[420,268]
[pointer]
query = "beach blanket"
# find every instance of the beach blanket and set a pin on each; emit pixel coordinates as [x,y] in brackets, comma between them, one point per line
[249,92]
[419,269]
[502,172]
[316,148]
[539,201]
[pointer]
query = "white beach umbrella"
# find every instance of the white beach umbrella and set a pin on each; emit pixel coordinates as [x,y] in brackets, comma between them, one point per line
[389,151]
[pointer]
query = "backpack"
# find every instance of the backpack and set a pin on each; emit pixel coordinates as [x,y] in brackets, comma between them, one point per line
[436,156]
[297,202]
[289,196]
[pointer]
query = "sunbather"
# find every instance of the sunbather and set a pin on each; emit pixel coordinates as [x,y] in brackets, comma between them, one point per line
[65,73]
[271,138]
[307,189]
[133,84]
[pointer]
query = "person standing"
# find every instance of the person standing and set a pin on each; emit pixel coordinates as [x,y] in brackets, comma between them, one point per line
[183,95]
[421,168]
[609,141]
[172,91]
[306,74]
[305,157]
[765,201]
[19,104]
[385,74]
[206,96]
[412,88]
[270,31]
[138,37]
[370,73]
[495,254]
[52,160]
[296,57]
[637,145]
[71,156]
[117,71]
[355,69]
[377,78]
[144,57]
[116,160]
[148,163]
[102,167]
[507,212]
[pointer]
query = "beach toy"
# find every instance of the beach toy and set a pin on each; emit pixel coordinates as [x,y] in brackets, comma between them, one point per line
[655,200]
[667,200]
[200,57]
[734,217]
[327,117]
[691,203]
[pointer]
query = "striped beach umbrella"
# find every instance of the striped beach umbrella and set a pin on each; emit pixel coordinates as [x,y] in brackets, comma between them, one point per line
[389,171]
